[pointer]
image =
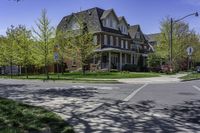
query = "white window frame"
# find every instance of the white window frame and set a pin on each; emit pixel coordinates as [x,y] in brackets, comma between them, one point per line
[95,39]
[75,26]
[122,43]
[117,41]
[105,40]
[126,45]
[111,40]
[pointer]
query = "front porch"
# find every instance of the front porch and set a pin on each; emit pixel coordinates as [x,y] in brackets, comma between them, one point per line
[112,58]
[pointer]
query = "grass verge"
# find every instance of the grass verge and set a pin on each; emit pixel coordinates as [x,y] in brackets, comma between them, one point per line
[91,76]
[191,76]
[16,117]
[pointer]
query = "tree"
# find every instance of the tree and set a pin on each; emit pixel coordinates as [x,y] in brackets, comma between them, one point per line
[10,49]
[82,46]
[3,58]
[182,38]
[24,47]
[44,39]
[63,41]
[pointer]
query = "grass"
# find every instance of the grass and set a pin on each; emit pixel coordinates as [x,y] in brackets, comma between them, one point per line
[91,76]
[191,76]
[16,117]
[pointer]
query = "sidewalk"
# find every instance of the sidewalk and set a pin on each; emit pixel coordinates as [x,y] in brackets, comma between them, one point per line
[154,80]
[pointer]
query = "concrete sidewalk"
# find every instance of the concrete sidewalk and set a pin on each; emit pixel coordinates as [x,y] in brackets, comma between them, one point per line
[154,80]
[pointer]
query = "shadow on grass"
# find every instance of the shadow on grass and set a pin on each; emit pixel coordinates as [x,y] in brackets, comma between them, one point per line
[17,118]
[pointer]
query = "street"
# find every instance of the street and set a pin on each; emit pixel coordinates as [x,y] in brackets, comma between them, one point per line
[116,108]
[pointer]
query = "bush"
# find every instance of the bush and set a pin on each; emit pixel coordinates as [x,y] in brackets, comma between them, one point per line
[130,67]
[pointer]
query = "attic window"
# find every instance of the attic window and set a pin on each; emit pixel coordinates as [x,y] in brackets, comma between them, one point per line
[89,12]
[75,26]
[137,36]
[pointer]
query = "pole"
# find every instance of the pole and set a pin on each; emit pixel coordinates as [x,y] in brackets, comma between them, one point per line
[57,69]
[188,63]
[171,41]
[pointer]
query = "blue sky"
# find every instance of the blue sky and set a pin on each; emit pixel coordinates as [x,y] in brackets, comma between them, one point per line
[147,13]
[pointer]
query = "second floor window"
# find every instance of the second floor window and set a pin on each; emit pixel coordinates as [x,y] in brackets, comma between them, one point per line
[126,44]
[122,44]
[111,40]
[117,41]
[105,40]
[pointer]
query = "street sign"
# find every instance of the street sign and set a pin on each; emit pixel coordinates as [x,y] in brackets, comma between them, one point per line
[190,50]
[56,56]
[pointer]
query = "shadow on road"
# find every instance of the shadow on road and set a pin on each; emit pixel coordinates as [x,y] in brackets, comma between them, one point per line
[83,109]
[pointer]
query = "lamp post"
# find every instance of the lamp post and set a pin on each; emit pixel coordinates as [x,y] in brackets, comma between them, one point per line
[171,32]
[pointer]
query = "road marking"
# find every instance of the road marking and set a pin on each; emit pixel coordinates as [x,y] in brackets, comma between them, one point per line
[197,88]
[95,87]
[134,93]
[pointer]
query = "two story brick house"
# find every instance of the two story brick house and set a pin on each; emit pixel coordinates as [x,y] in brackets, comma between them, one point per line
[120,43]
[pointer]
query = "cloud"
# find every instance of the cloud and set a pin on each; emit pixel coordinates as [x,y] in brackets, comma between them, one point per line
[192,2]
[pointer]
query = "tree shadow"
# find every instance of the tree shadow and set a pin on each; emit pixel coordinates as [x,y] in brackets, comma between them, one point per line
[82,108]
[140,117]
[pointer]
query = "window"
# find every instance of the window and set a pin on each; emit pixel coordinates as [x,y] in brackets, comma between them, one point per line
[122,44]
[111,40]
[137,35]
[73,62]
[95,39]
[104,22]
[126,44]
[75,26]
[111,23]
[117,41]
[105,40]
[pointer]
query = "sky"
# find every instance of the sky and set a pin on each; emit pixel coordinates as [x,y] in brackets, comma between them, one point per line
[147,13]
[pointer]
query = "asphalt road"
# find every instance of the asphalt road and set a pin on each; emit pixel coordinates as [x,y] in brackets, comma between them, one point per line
[117,108]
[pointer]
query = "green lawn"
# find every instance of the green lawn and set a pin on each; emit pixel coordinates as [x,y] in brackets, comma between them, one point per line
[92,76]
[16,117]
[191,76]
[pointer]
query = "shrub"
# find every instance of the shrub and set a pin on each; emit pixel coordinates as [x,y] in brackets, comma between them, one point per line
[130,67]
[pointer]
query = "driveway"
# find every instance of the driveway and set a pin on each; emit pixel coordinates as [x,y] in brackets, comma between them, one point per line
[103,108]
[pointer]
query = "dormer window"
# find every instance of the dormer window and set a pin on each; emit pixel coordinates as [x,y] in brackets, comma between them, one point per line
[137,36]
[75,26]
[110,20]
[111,23]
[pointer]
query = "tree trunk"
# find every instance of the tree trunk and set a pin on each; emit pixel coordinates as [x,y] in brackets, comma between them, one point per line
[11,75]
[46,69]
[26,71]
[83,69]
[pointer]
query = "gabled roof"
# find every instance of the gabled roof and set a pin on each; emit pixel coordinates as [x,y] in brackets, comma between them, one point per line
[152,37]
[133,30]
[92,17]
[122,18]
[108,12]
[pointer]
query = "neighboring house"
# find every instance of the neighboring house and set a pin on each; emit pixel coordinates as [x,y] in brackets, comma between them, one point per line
[153,39]
[119,42]
[7,70]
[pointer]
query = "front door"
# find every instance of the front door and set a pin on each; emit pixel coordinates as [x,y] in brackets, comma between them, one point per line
[114,61]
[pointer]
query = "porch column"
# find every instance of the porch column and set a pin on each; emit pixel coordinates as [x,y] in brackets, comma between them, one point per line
[109,61]
[125,58]
[131,58]
[135,59]
[120,60]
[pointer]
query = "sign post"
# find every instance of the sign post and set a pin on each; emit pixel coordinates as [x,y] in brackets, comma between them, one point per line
[189,50]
